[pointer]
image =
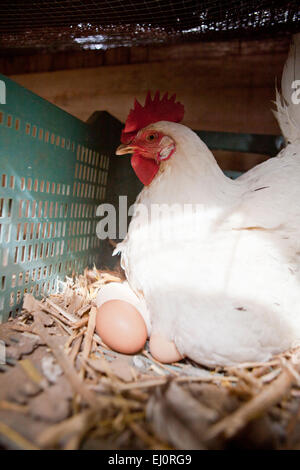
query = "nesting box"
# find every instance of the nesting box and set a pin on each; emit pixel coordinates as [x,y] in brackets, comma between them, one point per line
[54,174]
[55,171]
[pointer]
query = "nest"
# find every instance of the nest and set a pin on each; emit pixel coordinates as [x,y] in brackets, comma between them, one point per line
[62,387]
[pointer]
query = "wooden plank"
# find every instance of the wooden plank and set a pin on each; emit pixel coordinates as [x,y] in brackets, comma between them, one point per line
[232,94]
[249,143]
[238,161]
[18,61]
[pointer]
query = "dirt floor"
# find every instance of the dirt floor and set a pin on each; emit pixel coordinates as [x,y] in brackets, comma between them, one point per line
[62,387]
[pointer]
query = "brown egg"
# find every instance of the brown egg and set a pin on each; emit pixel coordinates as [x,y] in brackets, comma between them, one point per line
[163,350]
[120,325]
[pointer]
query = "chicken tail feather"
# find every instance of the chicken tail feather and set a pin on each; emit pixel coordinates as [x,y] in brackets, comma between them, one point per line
[288,101]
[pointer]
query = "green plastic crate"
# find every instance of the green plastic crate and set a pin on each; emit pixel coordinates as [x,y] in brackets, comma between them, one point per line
[53,175]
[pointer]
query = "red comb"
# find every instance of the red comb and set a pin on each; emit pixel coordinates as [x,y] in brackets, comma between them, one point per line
[154,110]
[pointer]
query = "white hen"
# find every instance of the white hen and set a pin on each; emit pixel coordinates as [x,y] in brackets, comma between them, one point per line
[222,281]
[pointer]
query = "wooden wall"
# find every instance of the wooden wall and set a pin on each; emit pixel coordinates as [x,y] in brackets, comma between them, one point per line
[224,86]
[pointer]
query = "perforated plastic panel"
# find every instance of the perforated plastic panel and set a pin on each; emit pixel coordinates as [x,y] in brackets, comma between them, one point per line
[53,175]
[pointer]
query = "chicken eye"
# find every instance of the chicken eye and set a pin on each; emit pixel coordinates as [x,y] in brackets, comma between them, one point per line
[151,137]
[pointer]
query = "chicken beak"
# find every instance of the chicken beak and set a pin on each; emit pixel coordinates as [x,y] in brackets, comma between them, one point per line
[124,149]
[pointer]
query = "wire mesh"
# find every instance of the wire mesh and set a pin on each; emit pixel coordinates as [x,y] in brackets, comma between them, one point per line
[94,24]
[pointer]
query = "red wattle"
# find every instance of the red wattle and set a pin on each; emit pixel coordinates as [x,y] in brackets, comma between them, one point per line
[145,168]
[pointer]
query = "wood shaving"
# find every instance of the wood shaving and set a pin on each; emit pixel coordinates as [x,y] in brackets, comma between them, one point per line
[62,387]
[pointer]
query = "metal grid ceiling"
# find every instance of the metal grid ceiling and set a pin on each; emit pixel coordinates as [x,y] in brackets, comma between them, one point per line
[94,24]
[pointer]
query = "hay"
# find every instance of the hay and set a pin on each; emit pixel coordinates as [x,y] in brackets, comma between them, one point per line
[62,387]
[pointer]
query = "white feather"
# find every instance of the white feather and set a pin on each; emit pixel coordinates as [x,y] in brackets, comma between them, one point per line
[223,283]
[288,112]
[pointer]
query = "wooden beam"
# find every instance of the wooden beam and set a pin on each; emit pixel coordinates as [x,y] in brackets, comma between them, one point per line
[34,61]
[231,93]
